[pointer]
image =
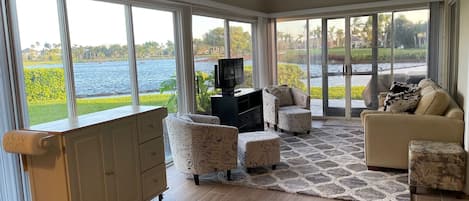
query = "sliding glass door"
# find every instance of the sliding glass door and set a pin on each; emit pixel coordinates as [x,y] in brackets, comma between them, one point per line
[351,65]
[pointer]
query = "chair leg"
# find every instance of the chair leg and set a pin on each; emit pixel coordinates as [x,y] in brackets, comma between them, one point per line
[228,175]
[413,191]
[274,167]
[275,127]
[196,179]
[248,170]
[160,197]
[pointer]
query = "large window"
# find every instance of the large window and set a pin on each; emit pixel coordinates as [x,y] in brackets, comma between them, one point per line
[410,44]
[315,66]
[350,57]
[156,61]
[100,55]
[42,60]
[209,45]
[241,47]
[291,54]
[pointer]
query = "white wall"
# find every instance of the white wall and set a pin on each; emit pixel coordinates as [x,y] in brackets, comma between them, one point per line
[463,73]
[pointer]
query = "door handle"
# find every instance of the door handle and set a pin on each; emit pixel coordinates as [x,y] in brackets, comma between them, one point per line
[343,70]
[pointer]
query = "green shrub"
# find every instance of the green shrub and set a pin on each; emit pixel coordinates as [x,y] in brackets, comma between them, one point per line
[44,84]
[291,75]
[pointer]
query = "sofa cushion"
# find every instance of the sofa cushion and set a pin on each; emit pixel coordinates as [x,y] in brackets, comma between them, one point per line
[433,103]
[283,94]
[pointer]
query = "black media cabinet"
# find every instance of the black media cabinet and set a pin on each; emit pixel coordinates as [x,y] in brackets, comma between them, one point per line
[243,110]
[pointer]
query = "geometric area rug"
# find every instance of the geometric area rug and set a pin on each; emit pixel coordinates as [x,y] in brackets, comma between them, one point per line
[328,162]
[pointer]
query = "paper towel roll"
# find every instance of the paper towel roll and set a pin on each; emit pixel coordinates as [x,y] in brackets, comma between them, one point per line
[25,142]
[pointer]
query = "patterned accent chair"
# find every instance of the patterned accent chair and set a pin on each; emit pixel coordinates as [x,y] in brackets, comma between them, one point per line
[286,108]
[200,145]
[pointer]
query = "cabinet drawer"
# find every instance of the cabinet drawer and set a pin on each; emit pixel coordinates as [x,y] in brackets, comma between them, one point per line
[154,182]
[151,153]
[150,125]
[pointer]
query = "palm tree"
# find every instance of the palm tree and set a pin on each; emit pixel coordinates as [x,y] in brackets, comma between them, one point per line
[340,37]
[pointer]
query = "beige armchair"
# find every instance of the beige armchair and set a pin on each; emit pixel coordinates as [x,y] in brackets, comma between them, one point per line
[286,108]
[200,145]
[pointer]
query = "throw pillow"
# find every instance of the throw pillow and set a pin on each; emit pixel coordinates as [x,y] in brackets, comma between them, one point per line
[398,87]
[434,103]
[428,82]
[405,101]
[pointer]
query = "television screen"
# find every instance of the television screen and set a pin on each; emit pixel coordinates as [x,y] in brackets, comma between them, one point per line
[229,73]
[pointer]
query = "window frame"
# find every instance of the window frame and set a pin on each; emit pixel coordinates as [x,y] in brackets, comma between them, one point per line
[67,61]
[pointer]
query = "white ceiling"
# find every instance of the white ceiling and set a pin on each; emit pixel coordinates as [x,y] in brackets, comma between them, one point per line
[273,6]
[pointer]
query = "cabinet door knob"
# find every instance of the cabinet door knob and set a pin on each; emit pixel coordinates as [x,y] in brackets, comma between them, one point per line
[151,126]
[153,153]
[155,180]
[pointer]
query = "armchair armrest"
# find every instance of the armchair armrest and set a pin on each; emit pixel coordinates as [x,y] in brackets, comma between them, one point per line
[300,98]
[270,107]
[208,119]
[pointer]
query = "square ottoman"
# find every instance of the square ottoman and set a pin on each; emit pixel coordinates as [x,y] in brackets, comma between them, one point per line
[294,120]
[437,165]
[258,149]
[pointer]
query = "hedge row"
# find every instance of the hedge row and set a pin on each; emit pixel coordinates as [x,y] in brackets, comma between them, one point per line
[44,84]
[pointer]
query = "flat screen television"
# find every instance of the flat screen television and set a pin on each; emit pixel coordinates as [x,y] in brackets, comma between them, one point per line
[228,74]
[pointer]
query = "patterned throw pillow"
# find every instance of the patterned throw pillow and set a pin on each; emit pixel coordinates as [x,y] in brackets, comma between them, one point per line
[398,87]
[405,101]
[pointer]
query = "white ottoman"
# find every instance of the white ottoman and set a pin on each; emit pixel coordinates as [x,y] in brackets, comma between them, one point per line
[294,120]
[258,149]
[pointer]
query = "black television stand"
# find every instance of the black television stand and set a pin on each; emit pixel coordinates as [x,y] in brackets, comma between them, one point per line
[242,109]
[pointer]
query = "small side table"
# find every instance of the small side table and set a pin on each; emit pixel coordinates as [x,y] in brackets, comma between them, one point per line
[437,165]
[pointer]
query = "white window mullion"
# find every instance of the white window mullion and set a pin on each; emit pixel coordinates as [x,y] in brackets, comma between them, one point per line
[255,55]
[67,59]
[227,39]
[132,57]
[185,74]
[392,45]
[308,73]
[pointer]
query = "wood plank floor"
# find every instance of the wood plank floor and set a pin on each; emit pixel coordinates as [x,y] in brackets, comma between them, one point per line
[182,189]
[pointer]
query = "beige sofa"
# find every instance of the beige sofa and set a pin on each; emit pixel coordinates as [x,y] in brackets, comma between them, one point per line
[387,135]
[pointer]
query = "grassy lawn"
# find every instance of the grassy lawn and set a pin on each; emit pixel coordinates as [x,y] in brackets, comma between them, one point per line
[337,92]
[55,110]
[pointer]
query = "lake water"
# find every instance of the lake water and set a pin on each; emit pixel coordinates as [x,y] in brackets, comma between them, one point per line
[112,78]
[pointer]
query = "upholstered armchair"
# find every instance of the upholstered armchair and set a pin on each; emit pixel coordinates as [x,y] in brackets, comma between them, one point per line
[286,108]
[200,145]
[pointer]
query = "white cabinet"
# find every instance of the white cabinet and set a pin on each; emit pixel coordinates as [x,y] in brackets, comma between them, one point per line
[117,156]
